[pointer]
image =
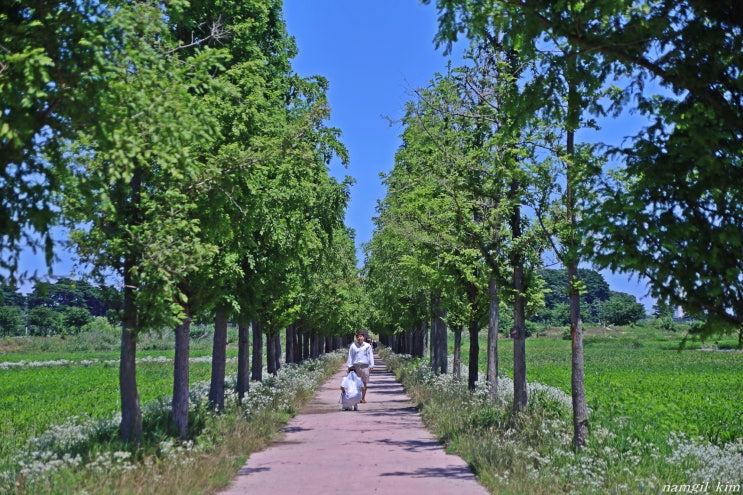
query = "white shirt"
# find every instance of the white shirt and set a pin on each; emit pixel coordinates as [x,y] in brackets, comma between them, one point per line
[360,354]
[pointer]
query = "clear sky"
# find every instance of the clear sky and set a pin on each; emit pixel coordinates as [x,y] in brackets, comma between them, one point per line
[374,54]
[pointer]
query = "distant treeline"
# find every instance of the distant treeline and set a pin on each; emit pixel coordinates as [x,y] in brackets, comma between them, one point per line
[599,304]
[67,306]
[61,308]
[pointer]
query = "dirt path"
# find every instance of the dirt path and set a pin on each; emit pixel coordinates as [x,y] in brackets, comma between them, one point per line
[383,448]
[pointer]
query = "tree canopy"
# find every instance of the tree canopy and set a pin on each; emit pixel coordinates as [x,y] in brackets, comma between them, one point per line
[669,214]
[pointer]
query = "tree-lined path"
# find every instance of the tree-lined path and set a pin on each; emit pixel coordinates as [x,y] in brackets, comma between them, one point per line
[383,448]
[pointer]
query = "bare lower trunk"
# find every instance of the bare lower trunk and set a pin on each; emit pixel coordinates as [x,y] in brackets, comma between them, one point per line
[257,364]
[290,343]
[474,356]
[131,413]
[219,361]
[493,319]
[434,343]
[273,352]
[243,360]
[457,364]
[270,356]
[580,409]
[520,393]
[179,413]
[305,345]
[277,352]
[314,345]
[439,336]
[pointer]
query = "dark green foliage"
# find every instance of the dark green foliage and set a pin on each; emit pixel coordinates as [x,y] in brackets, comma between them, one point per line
[44,321]
[12,320]
[600,304]
[66,292]
[61,308]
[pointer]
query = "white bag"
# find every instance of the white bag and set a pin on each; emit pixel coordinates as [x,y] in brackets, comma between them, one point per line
[352,384]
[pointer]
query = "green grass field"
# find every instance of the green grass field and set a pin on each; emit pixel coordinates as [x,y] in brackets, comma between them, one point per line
[42,386]
[639,384]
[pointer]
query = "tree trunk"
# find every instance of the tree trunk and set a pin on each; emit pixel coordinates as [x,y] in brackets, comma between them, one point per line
[257,364]
[270,353]
[276,353]
[457,364]
[243,360]
[577,382]
[419,342]
[439,344]
[520,393]
[426,337]
[443,342]
[493,320]
[179,413]
[580,409]
[131,413]
[306,354]
[314,345]
[219,361]
[434,343]
[290,343]
[474,355]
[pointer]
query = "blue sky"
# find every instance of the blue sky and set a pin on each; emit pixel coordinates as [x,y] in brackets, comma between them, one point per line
[374,54]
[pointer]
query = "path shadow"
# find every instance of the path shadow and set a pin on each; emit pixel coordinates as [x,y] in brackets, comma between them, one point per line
[245,471]
[449,472]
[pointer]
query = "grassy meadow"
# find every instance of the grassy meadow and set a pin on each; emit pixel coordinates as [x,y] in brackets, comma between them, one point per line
[661,419]
[639,382]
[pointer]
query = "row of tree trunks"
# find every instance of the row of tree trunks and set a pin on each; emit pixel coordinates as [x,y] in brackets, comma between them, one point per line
[299,346]
[413,342]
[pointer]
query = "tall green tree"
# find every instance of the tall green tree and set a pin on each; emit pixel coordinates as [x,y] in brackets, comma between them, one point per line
[251,114]
[137,177]
[560,84]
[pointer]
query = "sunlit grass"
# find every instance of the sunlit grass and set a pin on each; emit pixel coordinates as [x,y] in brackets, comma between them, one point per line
[639,383]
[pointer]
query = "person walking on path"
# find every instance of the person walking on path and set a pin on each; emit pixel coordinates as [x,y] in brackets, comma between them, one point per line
[361,360]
